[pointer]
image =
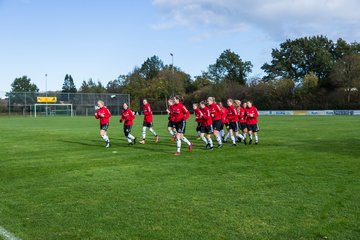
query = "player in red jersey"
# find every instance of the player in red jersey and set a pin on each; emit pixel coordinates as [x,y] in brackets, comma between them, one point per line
[127,116]
[252,122]
[104,115]
[171,127]
[233,120]
[181,114]
[197,113]
[147,123]
[225,123]
[243,120]
[206,126]
[215,112]
[237,104]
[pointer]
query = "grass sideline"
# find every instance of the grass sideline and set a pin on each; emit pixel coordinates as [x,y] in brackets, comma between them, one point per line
[59,182]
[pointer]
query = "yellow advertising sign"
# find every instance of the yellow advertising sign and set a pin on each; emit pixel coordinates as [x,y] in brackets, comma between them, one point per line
[46,99]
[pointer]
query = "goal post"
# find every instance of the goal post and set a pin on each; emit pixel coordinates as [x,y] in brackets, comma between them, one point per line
[53,109]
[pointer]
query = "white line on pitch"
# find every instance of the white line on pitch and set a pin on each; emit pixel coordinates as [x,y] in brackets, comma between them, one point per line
[7,235]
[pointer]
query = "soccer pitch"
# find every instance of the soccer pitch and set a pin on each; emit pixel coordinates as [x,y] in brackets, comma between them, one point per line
[58,181]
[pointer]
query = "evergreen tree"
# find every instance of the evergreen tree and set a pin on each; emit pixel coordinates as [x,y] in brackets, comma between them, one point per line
[68,85]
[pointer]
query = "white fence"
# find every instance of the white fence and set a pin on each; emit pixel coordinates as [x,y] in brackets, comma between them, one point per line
[311,112]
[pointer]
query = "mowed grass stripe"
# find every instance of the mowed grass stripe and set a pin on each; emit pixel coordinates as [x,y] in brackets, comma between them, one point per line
[59,182]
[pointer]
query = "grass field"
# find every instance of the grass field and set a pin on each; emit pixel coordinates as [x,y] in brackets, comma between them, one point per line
[57,181]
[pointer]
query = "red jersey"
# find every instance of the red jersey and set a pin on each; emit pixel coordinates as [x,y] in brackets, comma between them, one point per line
[242,115]
[103,114]
[224,118]
[171,113]
[147,113]
[127,116]
[232,114]
[252,115]
[180,112]
[215,111]
[206,119]
[197,113]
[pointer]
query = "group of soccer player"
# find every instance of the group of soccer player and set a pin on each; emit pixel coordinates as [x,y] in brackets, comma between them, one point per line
[214,119]
[237,121]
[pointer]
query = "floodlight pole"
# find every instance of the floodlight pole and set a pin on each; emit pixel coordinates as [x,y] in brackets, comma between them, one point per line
[173,76]
[46,84]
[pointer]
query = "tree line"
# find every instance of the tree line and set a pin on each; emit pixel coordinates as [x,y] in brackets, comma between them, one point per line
[305,73]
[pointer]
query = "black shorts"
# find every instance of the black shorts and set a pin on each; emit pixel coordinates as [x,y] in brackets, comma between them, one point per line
[253,127]
[207,129]
[226,125]
[104,126]
[233,126]
[180,126]
[127,130]
[217,125]
[198,127]
[147,124]
[171,124]
[242,126]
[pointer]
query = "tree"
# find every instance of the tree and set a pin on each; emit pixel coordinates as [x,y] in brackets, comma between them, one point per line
[342,48]
[201,82]
[296,58]
[23,84]
[68,85]
[18,87]
[91,87]
[346,74]
[151,67]
[310,82]
[229,67]
[116,85]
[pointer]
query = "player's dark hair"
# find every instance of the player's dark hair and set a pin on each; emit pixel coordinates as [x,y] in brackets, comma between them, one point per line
[180,98]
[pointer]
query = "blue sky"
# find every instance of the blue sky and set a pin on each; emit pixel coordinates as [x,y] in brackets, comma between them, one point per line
[104,39]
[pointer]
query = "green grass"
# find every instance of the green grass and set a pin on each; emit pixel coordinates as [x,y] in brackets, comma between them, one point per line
[57,181]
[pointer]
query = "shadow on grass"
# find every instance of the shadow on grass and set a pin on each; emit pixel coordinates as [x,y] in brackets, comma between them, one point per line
[84,143]
[345,147]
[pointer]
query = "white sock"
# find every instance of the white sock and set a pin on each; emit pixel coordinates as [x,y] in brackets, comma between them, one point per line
[131,136]
[152,131]
[184,139]
[256,138]
[241,136]
[222,133]
[233,139]
[144,132]
[178,144]
[227,136]
[244,135]
[204,139]
[210,142]
[106,138]
[250,136]
[218,139]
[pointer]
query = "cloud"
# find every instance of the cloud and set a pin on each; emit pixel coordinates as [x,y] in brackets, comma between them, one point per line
[277,18]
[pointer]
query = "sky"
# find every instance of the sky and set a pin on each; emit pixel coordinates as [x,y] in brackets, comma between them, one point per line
[102,39]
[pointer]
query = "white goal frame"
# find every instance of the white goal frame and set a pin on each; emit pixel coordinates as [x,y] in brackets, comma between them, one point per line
[54,104]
